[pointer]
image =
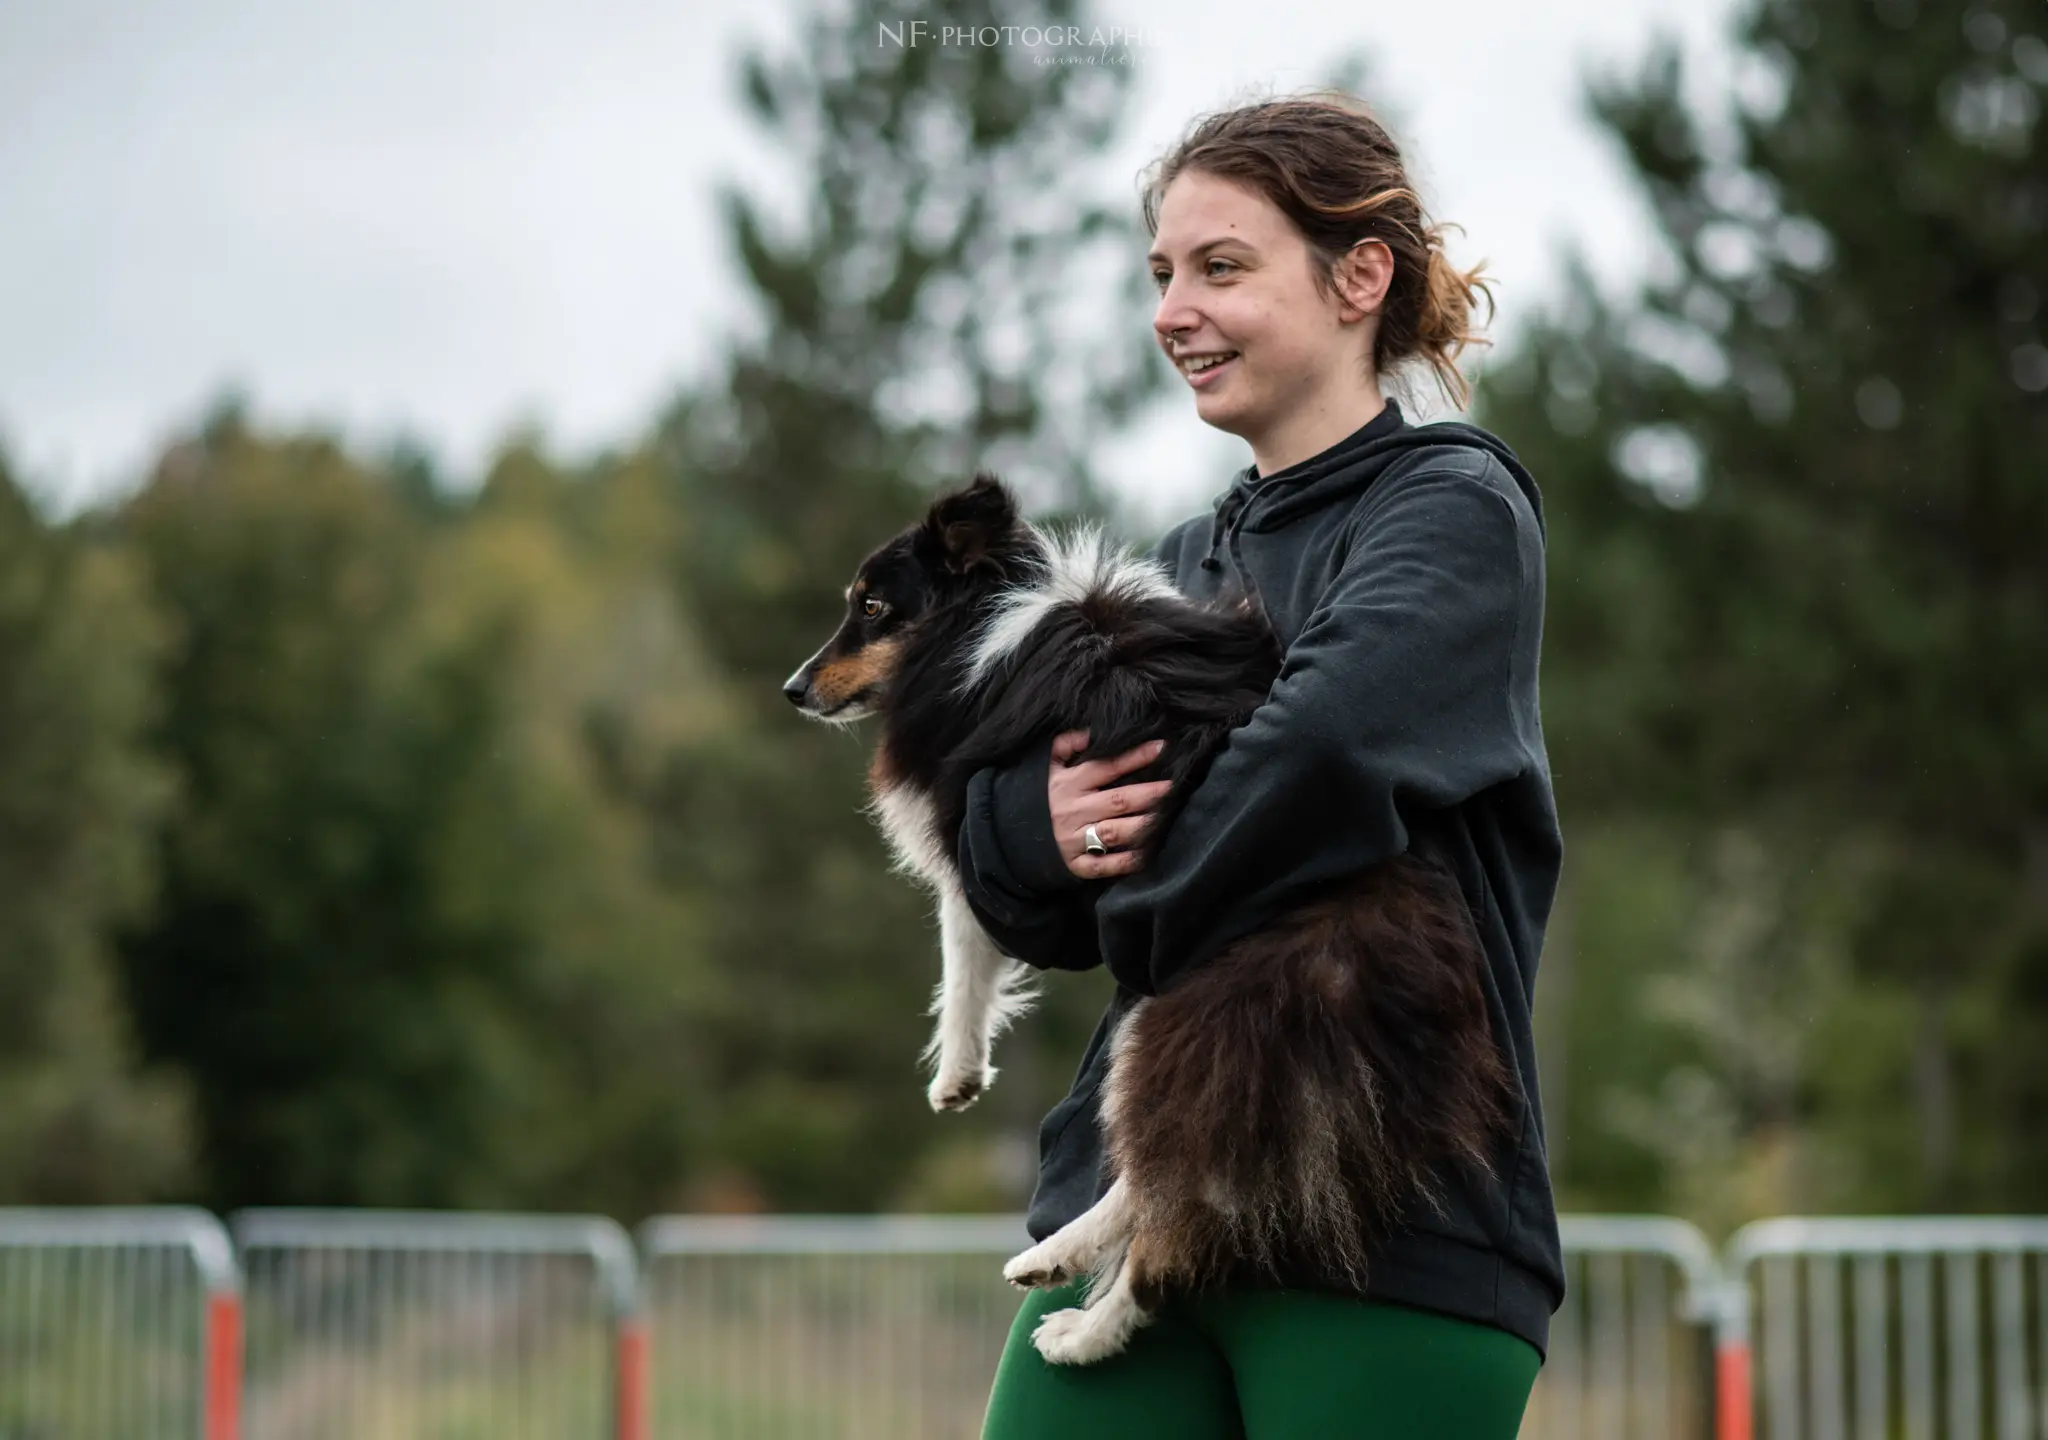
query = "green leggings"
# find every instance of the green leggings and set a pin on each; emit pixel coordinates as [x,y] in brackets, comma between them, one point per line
[1268,1365]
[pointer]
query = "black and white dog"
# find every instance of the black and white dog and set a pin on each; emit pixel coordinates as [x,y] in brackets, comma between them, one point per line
[1273,1110]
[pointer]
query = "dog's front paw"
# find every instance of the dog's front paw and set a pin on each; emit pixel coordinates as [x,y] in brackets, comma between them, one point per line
[1076,1337]
[1035,1269]
[956,1089]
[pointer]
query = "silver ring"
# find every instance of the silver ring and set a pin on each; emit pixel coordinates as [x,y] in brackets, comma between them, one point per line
[1094,842]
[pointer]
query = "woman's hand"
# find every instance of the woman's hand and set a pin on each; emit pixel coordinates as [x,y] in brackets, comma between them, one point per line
[1080,797]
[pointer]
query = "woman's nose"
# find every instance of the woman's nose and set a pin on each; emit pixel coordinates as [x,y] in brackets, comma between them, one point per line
[1174,315]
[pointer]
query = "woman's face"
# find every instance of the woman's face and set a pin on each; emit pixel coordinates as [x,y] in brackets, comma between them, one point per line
[1236,279]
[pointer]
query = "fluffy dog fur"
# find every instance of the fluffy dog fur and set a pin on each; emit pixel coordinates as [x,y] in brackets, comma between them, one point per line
[1273,1111]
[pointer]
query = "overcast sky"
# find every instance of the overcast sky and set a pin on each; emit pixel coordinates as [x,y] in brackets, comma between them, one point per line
[451,217]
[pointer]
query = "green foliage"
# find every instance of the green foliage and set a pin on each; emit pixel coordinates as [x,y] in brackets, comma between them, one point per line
[404,946]
[78,792]
[1797,520]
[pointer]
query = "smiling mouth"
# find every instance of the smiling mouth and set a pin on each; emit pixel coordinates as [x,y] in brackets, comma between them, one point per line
[1196,367]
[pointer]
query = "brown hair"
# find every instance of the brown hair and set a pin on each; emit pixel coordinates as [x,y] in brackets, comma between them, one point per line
[1333,170]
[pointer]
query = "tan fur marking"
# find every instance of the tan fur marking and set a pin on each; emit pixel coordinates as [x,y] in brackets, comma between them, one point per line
[838,681]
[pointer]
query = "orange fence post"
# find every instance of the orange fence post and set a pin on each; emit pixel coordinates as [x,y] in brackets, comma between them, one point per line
[1732,1408]
[633,1419]
[224,1365]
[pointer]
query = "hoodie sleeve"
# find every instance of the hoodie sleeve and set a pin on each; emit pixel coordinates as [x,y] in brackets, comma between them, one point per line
[1016,882]
[1395,698]
[1031,904]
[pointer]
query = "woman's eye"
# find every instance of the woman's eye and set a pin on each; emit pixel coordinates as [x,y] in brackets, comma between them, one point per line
[1159,279]
[1214,263]
[872,607]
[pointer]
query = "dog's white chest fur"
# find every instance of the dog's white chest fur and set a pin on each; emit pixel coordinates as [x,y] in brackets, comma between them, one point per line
[909,823]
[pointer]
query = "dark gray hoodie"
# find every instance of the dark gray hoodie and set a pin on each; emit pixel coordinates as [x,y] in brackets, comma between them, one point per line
[1403,569]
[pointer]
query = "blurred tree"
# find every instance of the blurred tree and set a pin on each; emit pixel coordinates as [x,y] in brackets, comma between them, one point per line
[1798,528]
[406,949]
[935,304]
[948,270]
[78,795]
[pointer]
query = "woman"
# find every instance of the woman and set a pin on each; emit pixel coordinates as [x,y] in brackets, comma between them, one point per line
[1403,568]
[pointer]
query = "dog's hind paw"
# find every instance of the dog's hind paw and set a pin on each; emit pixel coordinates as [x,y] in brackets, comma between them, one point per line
[1078,1337]
[958,1090]
[1035,1270]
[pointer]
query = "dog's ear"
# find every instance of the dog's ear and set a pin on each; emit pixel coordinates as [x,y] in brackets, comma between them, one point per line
[964,526]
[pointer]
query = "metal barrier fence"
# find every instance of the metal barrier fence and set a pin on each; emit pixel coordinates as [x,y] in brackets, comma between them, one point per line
[118,1323]
[399,1326]
[819,1326]
[1628,1347]
[1841,1322]
[848,1327]
[121,1323]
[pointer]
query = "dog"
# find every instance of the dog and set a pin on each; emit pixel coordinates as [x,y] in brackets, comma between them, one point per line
[1272,1111]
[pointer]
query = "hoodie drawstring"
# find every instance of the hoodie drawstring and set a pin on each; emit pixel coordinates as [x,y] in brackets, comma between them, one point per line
[1232,502]
[1226,528]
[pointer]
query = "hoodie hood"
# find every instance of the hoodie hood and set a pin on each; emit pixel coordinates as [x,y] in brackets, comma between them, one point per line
[1339,473]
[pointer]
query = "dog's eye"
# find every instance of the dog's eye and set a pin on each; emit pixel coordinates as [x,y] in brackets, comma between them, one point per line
[871,607]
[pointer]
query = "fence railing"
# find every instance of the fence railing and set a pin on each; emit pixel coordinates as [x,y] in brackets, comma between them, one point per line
[396,1325]
[121,1323]
[1888,1327]
[867,1329]
[118,1323]
[892,1327]
[1628,1347]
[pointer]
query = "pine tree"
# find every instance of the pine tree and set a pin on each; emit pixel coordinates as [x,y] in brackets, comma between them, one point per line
[1799,515]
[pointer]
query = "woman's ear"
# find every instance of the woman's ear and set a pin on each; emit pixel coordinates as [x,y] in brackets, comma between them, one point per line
[1364,274]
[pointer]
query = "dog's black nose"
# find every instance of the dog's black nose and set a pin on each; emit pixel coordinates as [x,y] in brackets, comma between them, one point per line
[795,687]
